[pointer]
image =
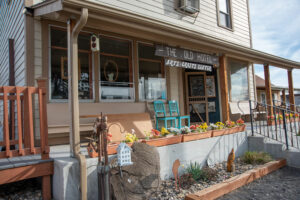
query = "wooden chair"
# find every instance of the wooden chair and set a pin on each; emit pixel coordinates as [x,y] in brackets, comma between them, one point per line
[173,109]
[160,114]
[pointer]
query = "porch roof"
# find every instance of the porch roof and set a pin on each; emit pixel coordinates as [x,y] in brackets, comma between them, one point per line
[127,18]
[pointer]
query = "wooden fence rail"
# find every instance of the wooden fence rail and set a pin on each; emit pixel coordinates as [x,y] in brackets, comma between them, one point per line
[19,132]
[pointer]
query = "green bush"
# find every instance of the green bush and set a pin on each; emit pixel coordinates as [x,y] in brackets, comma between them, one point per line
[253,157]
[205,174]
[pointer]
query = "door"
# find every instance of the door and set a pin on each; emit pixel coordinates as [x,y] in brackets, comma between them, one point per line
[196,96]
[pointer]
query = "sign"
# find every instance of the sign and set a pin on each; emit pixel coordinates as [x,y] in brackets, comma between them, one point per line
[187,55]
[187,65]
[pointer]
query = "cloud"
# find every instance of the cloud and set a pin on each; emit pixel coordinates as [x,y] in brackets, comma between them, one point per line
[275,30]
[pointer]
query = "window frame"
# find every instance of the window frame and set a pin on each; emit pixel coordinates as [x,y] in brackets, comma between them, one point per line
[130,63]
[91,61]
[231,28]
[229,78]
[163,67]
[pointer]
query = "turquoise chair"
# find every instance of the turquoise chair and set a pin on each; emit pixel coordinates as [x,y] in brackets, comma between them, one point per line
[173,108]
[160,114]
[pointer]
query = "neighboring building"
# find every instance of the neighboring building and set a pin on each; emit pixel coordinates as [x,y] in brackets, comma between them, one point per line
[261,91]
[148,51]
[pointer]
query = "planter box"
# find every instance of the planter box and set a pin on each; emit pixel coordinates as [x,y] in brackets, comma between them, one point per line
[164,141]
[216,133]
[242,128]
[111,149]
[196,136]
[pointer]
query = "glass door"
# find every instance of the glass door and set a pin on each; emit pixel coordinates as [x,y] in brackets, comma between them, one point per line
[196,97]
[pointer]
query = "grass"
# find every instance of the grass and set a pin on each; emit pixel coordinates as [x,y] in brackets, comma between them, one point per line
[253,157]
[197,173]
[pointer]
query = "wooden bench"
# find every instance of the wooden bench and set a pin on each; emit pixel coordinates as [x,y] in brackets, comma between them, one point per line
[119,124]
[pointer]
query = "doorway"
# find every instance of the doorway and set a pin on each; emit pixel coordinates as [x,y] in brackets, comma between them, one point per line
[202,102]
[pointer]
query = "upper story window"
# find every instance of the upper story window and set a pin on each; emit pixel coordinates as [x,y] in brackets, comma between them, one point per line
[116,72]
[224,13]
[59,65]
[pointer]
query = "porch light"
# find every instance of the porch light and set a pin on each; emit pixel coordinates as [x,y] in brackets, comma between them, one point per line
[189,6]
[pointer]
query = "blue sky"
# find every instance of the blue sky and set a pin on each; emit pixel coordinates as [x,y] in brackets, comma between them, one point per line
[276,30]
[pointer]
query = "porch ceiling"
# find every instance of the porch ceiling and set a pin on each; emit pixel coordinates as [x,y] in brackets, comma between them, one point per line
[166,29]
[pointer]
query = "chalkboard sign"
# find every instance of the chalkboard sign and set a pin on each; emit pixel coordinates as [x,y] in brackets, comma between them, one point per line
[197,85]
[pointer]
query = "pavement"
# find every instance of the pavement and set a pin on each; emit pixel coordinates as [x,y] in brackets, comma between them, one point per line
[281,184]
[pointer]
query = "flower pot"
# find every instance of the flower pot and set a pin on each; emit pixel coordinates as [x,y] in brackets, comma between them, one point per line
[164,141]
[242,128]
[232,130]
[196,136]
[216,133]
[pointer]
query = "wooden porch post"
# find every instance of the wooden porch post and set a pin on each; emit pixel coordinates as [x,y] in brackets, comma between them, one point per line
[268,88]
[224,88]
[283,97]
[291,90]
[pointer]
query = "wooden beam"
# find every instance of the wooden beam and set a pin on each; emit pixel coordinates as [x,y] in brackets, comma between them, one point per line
[26,172]
[268,88]
[224,88]
[283,97]
[291,90]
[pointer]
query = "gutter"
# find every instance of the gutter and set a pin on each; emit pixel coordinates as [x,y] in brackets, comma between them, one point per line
[73,97]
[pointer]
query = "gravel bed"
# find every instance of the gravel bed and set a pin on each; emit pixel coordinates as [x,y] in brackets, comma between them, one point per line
[28,189]
[167,189]
[281,184]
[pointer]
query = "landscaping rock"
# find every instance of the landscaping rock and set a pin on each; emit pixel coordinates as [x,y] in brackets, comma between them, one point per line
[139,180]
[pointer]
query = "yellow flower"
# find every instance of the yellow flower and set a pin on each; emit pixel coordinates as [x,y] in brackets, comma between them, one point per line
[164,131]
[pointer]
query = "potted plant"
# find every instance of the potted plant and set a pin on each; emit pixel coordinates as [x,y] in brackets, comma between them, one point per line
[163,138]
[200,132]
[231,126]
[218,129]
[241,125]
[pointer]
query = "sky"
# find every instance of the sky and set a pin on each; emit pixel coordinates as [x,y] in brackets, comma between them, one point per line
[275,28]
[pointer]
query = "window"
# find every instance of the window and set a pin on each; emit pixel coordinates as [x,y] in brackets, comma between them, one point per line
[116,74]
[263,98]
[224,13]
[152,81]
[59,65]
[238,80]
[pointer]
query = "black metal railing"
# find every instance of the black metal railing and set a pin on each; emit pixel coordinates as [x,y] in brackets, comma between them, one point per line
[286,105]
[275,122]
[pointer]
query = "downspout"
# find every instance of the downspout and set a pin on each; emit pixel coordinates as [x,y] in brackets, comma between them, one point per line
[73,33]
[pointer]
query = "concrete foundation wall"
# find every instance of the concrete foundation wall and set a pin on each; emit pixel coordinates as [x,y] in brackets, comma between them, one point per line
[207,151]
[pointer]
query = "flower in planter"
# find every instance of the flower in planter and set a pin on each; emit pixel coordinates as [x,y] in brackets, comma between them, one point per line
[217,126]
[280,116]
[131,137]
[185,130]
[155,133]
[194,128]
[229,124]
[174,131]
[287,116]
[296,115]
[240,122]
[203,127]
[108,137]
[164,131]
[271,117]
[147,134]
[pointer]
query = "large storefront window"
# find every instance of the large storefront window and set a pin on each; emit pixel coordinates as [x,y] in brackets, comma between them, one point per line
[152,82]
[238,76]
[59,65]
[116,69]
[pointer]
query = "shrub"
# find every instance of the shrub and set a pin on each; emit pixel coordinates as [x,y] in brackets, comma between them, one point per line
[205,174]
[253,157]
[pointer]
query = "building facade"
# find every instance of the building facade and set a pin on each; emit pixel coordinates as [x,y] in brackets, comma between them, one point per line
[197,52]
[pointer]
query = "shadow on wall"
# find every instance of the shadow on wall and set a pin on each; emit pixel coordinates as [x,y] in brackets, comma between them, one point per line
[208,151]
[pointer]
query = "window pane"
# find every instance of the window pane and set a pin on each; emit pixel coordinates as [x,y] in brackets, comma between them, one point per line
[225,20]
[223,6]
[59,38]
[116,78]
[59,67]
[239,81]
[148,52]
[152,83]
[114,46]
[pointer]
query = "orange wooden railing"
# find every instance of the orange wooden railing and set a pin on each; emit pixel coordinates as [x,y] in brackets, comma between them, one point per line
[18,108]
